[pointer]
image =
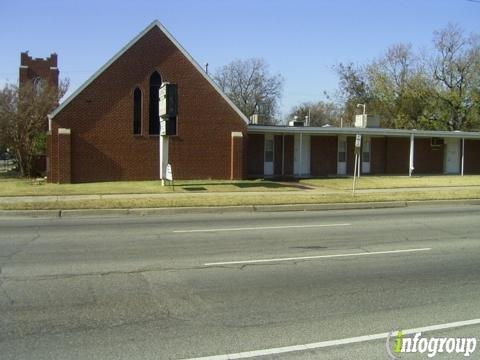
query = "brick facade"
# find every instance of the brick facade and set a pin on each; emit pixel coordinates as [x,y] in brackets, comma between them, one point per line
[236,156]
[377,155]
[397,154]
[255,154]
[45,69]
[92,136]
[100,117]
[323,155]
[288,153]
[472,157]
[427,159]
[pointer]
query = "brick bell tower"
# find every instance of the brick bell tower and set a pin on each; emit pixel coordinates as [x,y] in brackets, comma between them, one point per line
[38,69]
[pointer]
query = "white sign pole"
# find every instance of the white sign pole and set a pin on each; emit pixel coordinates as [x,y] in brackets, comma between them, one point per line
[356,167]
[163,141]
[354,173]
[163,158]
[359,163]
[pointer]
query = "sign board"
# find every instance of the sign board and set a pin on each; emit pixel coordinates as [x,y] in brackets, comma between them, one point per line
[358,141]
[168,173]
[162,100]
[361,121]
[167,96]
[163,127]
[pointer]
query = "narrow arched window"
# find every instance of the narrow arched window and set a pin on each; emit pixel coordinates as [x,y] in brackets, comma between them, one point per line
[154,123]
[38,85]
[137,111]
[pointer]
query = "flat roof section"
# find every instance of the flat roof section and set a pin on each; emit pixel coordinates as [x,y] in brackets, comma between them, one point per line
[272,129]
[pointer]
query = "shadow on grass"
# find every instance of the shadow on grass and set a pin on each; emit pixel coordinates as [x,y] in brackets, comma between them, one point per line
[241,185]
[194,188]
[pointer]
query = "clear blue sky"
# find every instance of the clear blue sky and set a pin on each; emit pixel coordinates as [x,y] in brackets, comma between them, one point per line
[300,39]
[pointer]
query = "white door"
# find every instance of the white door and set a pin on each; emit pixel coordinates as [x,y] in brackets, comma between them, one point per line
[366,149]
[268,162]
[452,156]
[342,156]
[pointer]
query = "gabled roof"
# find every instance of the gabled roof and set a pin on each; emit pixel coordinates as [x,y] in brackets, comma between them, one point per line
[155,23]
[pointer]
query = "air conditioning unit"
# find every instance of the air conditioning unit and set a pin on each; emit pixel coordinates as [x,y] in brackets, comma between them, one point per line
[367,121]
[296,122]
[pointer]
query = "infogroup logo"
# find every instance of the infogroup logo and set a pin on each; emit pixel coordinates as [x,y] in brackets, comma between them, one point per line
[431,346]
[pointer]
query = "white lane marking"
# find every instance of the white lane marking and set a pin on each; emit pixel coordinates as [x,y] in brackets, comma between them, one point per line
[260,228]
[315,257]
[324,344]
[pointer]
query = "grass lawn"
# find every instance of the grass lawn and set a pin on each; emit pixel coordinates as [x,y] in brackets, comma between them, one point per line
[232,199]
[24,187]
[393,182]
[231,193]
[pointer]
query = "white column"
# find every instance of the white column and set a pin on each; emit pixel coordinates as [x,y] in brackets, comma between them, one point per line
[463,155]
[163,157]
[411,165]
[301,151]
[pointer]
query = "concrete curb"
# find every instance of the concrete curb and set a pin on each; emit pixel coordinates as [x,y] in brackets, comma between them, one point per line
[30,213]
[227,209]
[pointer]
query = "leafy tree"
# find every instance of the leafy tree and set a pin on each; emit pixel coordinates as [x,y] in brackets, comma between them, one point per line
[400,89]
[456,73]
[251,87]
[354,89]
[439,90]
[23,119]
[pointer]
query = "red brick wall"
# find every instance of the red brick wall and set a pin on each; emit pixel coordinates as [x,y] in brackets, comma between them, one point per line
[377,155]
[427,159]
[472,157]
[49,156]
[288,162]
[397,155]
[103,146]
[323,155]
[236,165]
[64,159]
[33,68]
[278,149]
[255,154]
[350,154]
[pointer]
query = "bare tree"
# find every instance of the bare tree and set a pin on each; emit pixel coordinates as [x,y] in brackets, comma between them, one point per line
[251,87]
[23,119]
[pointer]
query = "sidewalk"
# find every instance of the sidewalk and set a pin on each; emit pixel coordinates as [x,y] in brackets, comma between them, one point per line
[313,191]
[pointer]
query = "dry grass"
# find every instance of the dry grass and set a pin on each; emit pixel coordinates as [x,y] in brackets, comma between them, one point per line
[392,182]
[246,199]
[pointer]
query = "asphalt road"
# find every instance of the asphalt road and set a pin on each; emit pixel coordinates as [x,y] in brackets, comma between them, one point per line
[176,287]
